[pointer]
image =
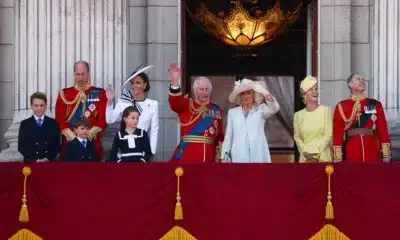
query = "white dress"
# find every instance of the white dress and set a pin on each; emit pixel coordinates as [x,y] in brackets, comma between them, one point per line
[245,138]
[148,119]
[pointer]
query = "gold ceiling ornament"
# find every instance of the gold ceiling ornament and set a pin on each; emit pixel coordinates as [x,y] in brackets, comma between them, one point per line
[238,28]
[25,234]
[329,231]
[177,232]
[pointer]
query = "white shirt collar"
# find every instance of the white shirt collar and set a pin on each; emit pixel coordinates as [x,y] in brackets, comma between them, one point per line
[81,140]
[36,117]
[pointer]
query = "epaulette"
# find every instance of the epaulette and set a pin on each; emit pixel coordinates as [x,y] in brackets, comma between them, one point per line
[68,88]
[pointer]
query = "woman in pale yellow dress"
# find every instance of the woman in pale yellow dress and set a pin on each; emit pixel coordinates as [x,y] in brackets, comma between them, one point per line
[313,125]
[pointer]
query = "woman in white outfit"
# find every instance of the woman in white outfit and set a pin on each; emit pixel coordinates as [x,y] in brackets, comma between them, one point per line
[245,140]
[134,92]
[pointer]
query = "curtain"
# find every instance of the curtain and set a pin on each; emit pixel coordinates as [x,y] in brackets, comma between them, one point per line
[282,88]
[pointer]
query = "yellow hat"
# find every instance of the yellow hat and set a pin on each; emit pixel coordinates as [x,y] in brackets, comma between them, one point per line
[308,83]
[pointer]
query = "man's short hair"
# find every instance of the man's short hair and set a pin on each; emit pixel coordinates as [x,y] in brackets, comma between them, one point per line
[82,122]
[38,95]
[82,62]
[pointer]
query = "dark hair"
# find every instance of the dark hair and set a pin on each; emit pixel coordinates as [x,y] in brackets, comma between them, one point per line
[82,122]
[146,80]
[126,113]
[38,95]
[83,62]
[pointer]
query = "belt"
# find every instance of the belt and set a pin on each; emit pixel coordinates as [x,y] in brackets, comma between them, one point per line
[197,139]
[360,131]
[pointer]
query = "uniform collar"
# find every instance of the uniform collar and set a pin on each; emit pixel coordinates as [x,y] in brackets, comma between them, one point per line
[357,98]
[82,88]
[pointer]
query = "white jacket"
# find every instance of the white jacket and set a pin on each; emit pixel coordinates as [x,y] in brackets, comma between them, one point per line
[245,138]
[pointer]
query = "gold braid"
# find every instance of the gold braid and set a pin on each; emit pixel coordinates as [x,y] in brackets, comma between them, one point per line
[195,113]
[355,112]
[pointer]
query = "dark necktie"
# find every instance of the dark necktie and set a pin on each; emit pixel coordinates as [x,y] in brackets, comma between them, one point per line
[84,143]
[39,122]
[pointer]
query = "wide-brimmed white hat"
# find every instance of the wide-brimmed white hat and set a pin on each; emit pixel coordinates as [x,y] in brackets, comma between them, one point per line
[246,85]
[138,71]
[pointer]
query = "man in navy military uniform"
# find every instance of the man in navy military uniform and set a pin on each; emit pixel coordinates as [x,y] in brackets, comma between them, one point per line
[39,136]
[81,149]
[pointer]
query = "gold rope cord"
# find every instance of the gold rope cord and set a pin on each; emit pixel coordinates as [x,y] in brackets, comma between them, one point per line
[25,234]
[80,96]
[196,113]
[177,232]
[329,231]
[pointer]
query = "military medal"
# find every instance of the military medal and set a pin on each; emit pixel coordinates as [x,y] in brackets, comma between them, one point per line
[212,130]
[373,118]
[87,114]
[92,107]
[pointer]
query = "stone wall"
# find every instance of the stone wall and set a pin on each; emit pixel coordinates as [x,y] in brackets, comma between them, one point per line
[6,67]
[153,39]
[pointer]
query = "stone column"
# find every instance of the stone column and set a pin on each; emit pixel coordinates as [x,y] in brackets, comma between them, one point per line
[6,66]
[335,50]
[162,49]
[49,37]
[386,71]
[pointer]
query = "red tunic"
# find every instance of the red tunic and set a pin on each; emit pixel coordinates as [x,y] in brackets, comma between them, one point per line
[368,116]
[191,148]
[71,105]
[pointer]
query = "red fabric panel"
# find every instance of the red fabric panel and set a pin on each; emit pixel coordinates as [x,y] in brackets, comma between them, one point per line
[220,201]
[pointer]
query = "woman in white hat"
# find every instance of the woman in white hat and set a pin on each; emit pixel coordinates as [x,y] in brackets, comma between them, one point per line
[134,91]
[313,125]
[245,140]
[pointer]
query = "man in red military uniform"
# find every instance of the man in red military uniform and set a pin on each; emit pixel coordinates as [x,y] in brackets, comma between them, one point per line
[360,132]
[82,101]
[200,121]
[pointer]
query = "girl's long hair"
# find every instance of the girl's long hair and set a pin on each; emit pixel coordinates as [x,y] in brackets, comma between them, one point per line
[125,114]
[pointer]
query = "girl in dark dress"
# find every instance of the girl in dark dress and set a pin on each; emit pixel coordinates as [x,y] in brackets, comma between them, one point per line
[131,144]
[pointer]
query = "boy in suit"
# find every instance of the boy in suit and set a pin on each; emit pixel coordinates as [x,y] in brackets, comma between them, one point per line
[81,149]
[39,136]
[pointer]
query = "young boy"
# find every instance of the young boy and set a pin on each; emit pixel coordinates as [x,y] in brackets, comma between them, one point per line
[39,135]
[81,149]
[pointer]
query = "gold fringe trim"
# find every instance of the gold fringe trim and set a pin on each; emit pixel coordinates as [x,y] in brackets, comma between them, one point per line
[337,153]
[329,232]
[68,133]
[178,205]
[24,213]
[386,150]
[25,234]
[94,131]
[177,233]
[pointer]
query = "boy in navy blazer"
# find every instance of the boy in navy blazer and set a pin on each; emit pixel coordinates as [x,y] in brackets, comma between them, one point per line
[81,149]
[39,136]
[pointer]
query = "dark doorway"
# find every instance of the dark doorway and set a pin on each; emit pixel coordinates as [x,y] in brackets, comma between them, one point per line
[204,55]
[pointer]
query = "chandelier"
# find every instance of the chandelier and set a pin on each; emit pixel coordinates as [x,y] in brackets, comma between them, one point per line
[237,28]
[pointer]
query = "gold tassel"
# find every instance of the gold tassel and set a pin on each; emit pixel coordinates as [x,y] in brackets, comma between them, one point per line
[178,206]
[329,231]
[329,206]
[24,213]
